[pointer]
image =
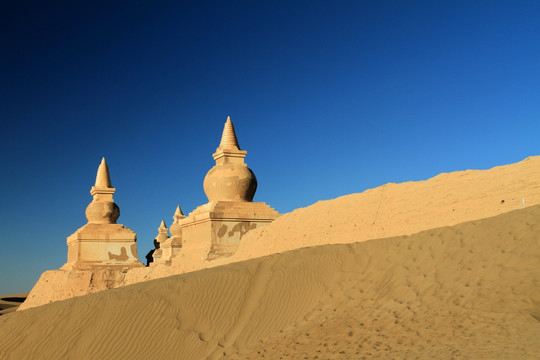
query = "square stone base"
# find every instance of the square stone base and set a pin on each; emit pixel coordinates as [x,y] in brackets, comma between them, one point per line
[102,245]
[221,225]
[167,250]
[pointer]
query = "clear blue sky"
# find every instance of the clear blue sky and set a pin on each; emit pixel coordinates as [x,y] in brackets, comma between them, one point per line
[328,98]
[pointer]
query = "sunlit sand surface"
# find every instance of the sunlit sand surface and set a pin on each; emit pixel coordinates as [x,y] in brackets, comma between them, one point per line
[386,211]
[461,292]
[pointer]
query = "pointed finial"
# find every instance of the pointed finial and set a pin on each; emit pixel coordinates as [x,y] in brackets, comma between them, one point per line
[162,226]
[102,209]
[103,178]
[178,214]
[176,229]
[228,138]
[163,233]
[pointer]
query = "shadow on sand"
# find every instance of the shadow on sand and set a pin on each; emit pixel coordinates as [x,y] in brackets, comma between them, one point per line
[10,303]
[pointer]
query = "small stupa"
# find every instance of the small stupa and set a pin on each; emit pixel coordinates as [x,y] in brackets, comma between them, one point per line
[230,212]
[162,236]
[102,243]
[172,245]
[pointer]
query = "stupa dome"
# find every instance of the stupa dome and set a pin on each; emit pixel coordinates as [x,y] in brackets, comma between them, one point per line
[230,179]
[99,212]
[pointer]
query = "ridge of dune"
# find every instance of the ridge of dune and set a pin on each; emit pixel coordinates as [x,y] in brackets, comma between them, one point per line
[385,211]
[400,209]
[466,291]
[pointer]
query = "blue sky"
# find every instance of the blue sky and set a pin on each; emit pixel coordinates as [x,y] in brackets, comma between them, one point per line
[328,98]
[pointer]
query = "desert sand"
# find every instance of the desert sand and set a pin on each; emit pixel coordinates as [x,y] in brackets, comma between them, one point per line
[401,209]
[443,268]
[389,210]
[470,291]
[10,303]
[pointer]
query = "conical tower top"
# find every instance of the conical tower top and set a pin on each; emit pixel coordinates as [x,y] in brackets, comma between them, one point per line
[103,188]
[103,179]
[228,150]
[176,229]
[228,138]
[230,179]
[162,226]
[102,209]
[178,214]
[163,233]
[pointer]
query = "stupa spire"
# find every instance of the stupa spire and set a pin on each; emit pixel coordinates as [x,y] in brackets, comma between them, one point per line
[102,209]
[162,226]
[103,179]
[176,229]
[178,214]
[230,179]
[228,138]
[163,233]
[228,150]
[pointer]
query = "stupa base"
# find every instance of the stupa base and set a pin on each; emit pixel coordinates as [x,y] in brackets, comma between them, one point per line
[222,224]
[94,246]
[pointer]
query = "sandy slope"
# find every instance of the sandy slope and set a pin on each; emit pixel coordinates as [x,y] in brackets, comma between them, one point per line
[468,291]
[389,210]
[10,303]
[401,209]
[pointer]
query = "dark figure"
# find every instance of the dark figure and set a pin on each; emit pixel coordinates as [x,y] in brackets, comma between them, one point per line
[150,255]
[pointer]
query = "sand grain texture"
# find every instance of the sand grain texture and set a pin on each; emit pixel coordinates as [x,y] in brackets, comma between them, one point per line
[470,291]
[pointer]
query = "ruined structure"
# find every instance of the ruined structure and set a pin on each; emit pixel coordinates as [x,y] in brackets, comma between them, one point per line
[170,246]
[102,243]
[215,227]
[162,236]
[103,254]
[230,212]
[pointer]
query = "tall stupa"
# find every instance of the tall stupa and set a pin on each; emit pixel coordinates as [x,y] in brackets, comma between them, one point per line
[102,243]
[230,212]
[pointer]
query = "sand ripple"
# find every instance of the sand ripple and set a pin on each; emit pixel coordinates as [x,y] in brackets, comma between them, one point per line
[461,292]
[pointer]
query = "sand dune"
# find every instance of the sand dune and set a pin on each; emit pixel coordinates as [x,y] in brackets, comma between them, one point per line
[401,209]
[389,210]
[467,291]
[10,303]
